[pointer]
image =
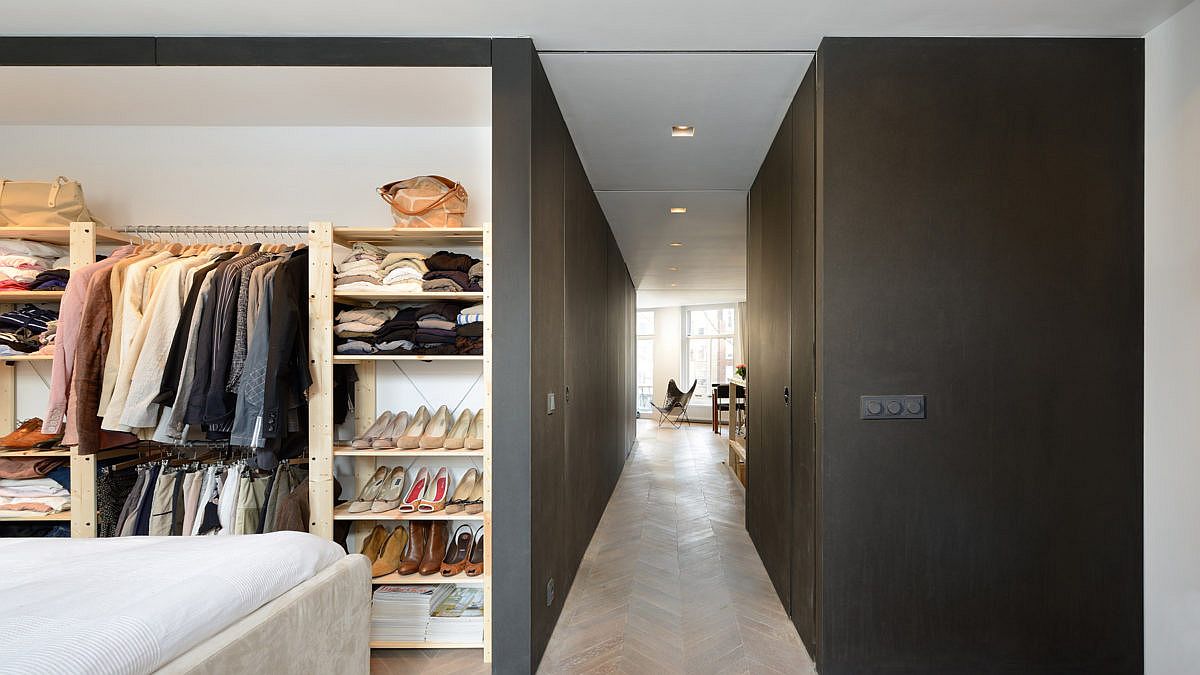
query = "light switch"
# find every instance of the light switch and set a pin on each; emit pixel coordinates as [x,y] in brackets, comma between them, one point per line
[892,407]
[550,403]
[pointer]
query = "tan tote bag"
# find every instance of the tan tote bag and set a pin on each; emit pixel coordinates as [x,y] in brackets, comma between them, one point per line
[25,203]
[426,201]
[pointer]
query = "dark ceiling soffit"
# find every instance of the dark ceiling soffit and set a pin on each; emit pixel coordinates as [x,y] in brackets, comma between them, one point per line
[245,51]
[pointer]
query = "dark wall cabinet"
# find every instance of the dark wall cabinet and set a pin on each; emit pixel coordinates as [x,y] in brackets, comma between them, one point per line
[959,218]
[581,346]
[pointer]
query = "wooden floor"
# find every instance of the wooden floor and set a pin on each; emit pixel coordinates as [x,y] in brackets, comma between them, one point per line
[669,584]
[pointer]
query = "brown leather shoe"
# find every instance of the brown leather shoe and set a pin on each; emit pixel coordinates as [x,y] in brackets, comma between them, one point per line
[20,432]
[389,557]
[410,560]
[374,542]
[475,557]
[456,555]
[435,550]
[32,438]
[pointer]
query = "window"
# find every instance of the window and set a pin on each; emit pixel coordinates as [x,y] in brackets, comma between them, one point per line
[708,345]
[645,360]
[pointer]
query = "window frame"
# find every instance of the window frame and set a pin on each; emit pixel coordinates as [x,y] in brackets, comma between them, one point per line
[686,336]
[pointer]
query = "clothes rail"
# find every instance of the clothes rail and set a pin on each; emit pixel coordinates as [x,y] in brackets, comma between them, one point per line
[213,229]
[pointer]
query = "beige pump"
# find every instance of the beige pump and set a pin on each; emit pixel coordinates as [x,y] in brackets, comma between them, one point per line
[462,493]
[475,433]
[393,490]
[369,492]
[373,431]
[435,431]
[457,438]
[388,437]
[411,440]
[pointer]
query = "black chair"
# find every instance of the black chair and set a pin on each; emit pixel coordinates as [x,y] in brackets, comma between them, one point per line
[675,403]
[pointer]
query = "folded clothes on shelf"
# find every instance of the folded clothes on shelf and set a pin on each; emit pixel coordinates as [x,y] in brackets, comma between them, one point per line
[30,317]
[420,329]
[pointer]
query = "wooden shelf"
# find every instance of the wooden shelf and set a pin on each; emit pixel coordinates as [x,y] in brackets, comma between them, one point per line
[394,578]
[412,236]
[59,234]
[12,297]
[347,451]
[30,516]
[55,452]
[384,295]
[340,513]
[353,358]
[27,357]
[424,645]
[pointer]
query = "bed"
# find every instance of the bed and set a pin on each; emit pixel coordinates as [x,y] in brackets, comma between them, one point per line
[280,602]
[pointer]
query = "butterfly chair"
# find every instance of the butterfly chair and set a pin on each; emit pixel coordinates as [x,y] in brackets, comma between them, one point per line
[674,406]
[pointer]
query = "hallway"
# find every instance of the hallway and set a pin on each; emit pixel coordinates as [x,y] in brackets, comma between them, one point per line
[671,582]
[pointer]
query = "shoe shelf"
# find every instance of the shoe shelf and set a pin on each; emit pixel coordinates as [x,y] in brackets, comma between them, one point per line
[395,578]
[384,295]
[81,238]
[330,455]
[410,236]
[11,297]
[347,451]
[32,516]
[341,513]
[425,645]
[23,358]
[54,452]
[355,358]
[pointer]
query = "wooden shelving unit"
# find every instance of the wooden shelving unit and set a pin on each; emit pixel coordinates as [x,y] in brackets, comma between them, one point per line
[82,239]
[324,448]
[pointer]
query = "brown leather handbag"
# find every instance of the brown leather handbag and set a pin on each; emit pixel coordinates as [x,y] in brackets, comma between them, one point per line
[426,201]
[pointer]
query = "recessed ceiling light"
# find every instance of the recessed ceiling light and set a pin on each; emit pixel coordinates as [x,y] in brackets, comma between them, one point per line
[674,285]
[672,269]
[676,244]
[683,130]
[678,209]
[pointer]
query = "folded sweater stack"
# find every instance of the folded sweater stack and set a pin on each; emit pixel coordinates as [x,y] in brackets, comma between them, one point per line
[469,330]
[23,330]
[403,271]
[424,329]
[24,264]
[361,270]
[453,273]
[34,484]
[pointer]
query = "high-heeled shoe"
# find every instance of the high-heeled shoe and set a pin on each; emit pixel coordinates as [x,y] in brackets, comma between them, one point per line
[372,432]
[418,538]
[436,494]
[474,439]
[462,493]
[411,439]
[389,557]
[456,556]
[390,434]
[369,492]
[435,431]
[435,548]
[456,438]
[373,544]
[474,505]
[393,490]
[416,490]
[475,558]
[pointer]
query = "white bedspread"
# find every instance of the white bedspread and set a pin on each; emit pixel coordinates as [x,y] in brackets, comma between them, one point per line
[131,604]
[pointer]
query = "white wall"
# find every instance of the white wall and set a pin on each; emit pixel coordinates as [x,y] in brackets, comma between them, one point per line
[181,175]
[1172,344]
[668,341]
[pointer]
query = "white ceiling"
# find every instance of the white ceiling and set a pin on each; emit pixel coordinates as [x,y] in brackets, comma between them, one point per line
[616,24]
[620,109]
[238,96]
[620,106]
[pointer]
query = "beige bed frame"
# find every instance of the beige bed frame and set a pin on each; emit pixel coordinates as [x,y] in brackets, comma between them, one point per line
[320,626]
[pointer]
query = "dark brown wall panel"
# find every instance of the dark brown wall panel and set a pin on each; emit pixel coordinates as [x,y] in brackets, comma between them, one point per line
[982,236]
[582,308]
[546,346]
[803,361]
[768,462]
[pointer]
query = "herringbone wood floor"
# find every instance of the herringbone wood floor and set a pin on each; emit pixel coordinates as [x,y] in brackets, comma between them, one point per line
[669,584]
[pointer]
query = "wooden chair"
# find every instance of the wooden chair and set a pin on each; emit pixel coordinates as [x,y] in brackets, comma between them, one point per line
[675,403]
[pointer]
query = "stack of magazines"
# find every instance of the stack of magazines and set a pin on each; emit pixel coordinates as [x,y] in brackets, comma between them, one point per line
[457,617]
[401,613]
